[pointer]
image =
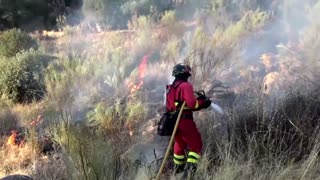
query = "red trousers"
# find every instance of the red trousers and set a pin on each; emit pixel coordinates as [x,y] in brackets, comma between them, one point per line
[187,136]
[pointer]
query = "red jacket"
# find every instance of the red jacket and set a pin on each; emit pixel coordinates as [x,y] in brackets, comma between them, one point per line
[185,93]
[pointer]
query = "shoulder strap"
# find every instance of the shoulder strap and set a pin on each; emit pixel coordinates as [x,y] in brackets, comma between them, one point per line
[175,86]
[178,98]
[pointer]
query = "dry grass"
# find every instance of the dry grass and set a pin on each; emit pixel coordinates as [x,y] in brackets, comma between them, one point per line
[26,113]
[8,121]
[51,167]
[27,160]
[16,159]
[90,74]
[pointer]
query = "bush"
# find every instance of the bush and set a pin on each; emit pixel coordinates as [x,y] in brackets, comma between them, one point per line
[123,113]
[21,77]
[288,133]
[14,41]
[90,154]
[153,8]
[116,14]
[105,12]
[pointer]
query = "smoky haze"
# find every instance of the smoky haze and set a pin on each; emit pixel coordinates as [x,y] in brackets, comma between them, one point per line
[283,32]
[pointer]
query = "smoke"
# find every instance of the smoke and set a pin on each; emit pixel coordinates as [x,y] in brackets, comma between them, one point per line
[281,36]
[111,60]
[120,65]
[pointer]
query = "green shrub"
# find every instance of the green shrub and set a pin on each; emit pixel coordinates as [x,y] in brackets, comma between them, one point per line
[169,18]
[60,78]
[170,51]
[14,41]
[91,155]
[153,8]
[105,12]
[21,77]
[120,112]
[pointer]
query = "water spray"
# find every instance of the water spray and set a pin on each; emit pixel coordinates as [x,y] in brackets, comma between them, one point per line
[214,106]
[217,108]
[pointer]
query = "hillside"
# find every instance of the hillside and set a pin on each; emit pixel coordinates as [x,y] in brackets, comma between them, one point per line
[82,100]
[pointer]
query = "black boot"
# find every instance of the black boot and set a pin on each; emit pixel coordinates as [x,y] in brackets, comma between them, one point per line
[190,171]
[178,168]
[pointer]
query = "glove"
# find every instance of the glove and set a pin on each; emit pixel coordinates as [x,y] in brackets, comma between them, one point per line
[206,103]
[203,100]
[200,94]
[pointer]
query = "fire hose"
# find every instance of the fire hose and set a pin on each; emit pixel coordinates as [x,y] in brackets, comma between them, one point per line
[170,142]
[214,106]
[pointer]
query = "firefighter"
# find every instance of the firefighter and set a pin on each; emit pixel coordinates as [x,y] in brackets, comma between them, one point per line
[187,136]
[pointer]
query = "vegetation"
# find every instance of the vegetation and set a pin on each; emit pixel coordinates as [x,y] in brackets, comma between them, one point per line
[15,41]
[25,14]
[99,86]
[21,77]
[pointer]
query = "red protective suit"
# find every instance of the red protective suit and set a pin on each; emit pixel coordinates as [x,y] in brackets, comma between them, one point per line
[187,136]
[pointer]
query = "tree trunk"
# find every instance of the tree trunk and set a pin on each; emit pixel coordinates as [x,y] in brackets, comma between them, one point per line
[14,14]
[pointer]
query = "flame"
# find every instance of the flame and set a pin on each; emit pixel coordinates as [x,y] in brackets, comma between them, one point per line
[13,140]
[141,74]
[267,60]
[134,87]
[143,66]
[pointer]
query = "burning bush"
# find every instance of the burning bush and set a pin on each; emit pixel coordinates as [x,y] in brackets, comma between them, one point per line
[16,159]
[97,73]
[15,139]
[24,156]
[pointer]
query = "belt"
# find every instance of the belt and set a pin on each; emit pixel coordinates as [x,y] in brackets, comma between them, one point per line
[186,116]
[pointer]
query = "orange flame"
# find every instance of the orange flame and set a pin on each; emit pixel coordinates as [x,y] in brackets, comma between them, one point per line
[141,74]
[143,66]
[13,140]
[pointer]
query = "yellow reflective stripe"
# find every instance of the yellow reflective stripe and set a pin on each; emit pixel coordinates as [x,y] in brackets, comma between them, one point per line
[197,104]
[190,160]
[195,107]
[194,154]
[178,156]
[177,162]
[176,104]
